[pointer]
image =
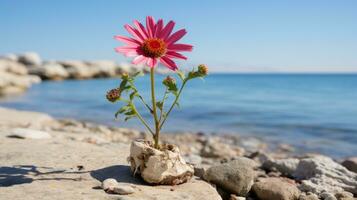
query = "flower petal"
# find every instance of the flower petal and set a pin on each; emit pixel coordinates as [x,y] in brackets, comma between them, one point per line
[151,62]
[167,30]
[174,54]
[134,32]
[168,63]
[150,26]
[159,26]
[176,36]
[139,59]
[127,51]
[127,40]
[180,47]
[141,29]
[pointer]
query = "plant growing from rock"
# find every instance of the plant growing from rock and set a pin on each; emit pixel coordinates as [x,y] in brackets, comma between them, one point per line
[150,45]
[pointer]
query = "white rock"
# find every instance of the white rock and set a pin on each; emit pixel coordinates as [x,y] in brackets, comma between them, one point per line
[109,184]
[12,67]
[103,68]
[10,56]
[165,167]
[51,70]
[78,69]
[321,173]
[29,134]
[30,58]
[123,188]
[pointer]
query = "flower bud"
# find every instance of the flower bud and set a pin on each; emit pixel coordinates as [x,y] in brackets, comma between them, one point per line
[168,81]
[124,76]
[113,95]
[202,70]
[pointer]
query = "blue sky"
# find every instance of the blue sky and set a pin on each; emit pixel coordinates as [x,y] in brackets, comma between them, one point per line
[264,36]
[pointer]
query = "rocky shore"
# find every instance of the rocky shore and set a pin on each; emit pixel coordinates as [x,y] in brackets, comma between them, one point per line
[19,72]
[47,158]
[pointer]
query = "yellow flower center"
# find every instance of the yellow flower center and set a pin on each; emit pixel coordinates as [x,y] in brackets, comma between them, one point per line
[154,47]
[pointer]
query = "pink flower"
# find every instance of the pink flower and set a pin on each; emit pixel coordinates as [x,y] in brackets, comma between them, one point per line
[153,43]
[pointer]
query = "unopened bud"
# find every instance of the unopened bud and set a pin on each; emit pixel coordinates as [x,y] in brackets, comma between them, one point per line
[202,70]
[124,76]
[169,81]
[113,95]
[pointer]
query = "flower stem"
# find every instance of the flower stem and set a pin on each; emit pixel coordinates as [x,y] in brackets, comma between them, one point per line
[142,119]
[173,104]
[156,121]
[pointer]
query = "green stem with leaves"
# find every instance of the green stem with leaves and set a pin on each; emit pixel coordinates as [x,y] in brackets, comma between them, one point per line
[156,120]
[174,103]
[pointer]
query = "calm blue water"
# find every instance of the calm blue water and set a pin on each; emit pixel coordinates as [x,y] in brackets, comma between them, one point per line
[313,112]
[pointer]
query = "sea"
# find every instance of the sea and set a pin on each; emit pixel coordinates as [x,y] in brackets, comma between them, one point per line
[312,112]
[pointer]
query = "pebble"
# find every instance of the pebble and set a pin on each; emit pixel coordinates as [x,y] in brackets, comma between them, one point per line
[275,188]
[29,134]
[110,185]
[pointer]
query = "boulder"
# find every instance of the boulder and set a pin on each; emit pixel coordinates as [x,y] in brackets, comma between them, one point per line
[78,69]
[275,188]
[51,70]
[321,173]
[351,164]
[164,167]
[13,83]
[13,67]
[235,176]
[30,58]
[103,68]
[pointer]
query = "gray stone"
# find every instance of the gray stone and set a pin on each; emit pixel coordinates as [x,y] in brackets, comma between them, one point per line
[193,159]
[351,164]
[29,134]
[321,173]
[110,185]
[236,176]
[275,188]
[284,166]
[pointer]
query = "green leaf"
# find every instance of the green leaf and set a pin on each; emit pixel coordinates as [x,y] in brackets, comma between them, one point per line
[181,75]
[122,110]
[160,104]
[139,73]
[129,117]
[123,85]
[133,94]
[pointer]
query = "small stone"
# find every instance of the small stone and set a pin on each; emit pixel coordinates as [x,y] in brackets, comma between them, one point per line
[29,134]
[351,164]
[235,197]
[284,166]
[308,197]
[236,176]
[200,170]
[275,188]
[343,195]
[193,159]
[327,196]
[109,184]
[123,189]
